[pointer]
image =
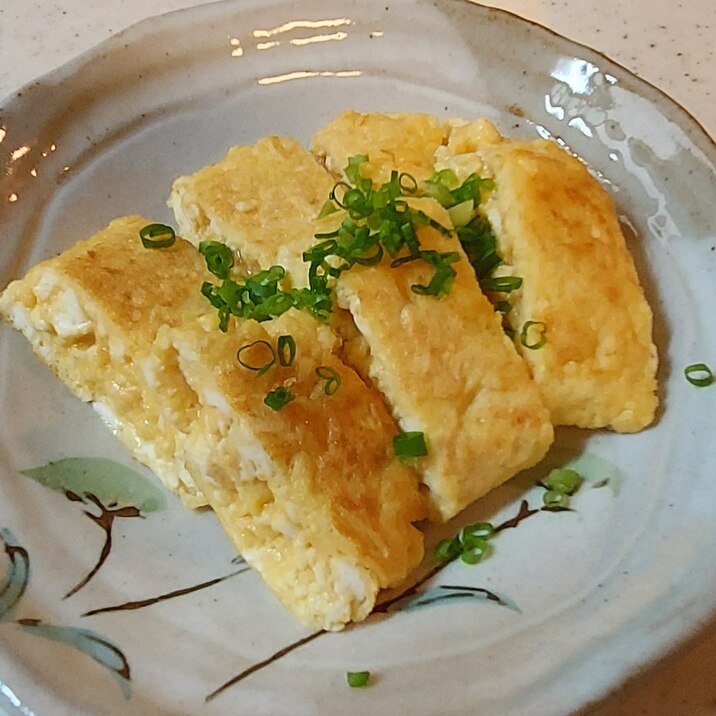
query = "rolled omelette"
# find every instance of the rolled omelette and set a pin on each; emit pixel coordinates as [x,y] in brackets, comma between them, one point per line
[444,365]
[311,495]
[580,300]
[557,229]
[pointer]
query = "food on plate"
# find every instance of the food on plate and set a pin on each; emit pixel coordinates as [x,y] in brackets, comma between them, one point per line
[98,315]
[311,494]
[443,363]
[557,229]
[347,342]
[577,311]
[406,141]
[247,199]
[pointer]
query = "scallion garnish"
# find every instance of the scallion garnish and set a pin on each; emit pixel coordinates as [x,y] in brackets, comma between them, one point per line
[553,499]
[447,550]
[328,208]
[442,280]
[286,350]
[332,378]
[410,444]
[541,329]
[279,398]
[472,227]
[249,356]
[261,298]
[501,284]
[408,183]
[462,214]
[356,679]
[699,374]
[471,544]
[219,257]
[474,550]
[378,221]
[563,480]
[479,529]
[157,236]
[560,485]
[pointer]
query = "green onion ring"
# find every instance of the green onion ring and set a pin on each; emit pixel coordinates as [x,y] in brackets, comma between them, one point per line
[475,551]
[346,187]
[157,236]
[370,260]
[699,374]
[279,398]
[542,327]
[332,378]
[412,183]
[410,444]
[356,679]
[555,499]
[481,530]
[219,257]
[501,284]
[286,350]
[258,369]
[564,480]
[447,549]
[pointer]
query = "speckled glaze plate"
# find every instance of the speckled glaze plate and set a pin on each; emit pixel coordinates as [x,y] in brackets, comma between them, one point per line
[115,600]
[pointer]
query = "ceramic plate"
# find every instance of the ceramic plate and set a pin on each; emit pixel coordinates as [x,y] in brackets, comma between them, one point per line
[114,599]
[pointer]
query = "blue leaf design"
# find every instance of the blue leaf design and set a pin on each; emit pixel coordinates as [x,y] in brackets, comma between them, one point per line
[444,593]
[106,480]
[90,643]
[17,576]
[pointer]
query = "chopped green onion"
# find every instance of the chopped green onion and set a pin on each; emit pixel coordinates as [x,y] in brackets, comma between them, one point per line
[448,549]
[379,220]
[408,183]
[356,679]
[332,378]
[462,214]
[327,209]
[256,365]
[219,257]
[260,297]
[279,398]
[471,544]
[286,350]
[410,444]
[439,192]
[541,341]
[446,177]
[699,374]
[553,499]
[475,551]
[502,284]
[157,236]
[563,480]
[442,280]
[352,171]
[480,529]
[504,307]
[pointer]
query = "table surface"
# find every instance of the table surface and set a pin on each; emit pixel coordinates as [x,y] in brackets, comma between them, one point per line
[670,43]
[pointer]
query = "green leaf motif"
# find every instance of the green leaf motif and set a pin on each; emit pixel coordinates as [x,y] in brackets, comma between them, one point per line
[109,481]
[597,471]
[443,594]
[90,643]
[15,581]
